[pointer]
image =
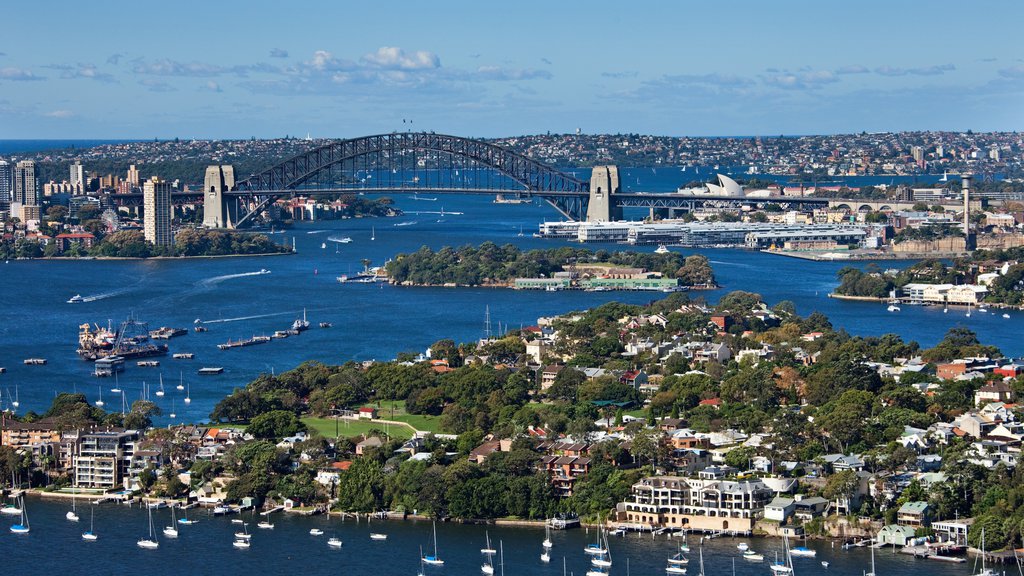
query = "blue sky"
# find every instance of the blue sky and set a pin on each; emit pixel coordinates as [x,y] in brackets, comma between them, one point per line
[188,69]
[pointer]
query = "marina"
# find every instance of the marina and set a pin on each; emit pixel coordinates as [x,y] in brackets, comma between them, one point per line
[208,540]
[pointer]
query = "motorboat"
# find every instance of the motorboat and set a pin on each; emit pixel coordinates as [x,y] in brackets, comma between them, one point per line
[661,249]
[803,552]
[316,532]
[334,542]
[77,298]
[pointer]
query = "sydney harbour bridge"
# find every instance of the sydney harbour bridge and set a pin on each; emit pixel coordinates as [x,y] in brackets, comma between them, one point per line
[418,162]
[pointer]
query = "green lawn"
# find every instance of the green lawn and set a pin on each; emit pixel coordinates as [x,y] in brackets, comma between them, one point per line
[395,410]
[349,428]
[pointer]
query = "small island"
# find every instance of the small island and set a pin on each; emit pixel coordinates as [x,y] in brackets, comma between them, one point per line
[563,268]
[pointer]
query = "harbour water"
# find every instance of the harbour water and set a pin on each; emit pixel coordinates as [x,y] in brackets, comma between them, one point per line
[205,548]
[370,321]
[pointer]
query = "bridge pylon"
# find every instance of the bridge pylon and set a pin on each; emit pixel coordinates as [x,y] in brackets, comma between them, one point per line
[604,184]
[217,213]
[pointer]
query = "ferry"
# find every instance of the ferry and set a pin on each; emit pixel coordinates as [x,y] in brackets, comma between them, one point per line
[166,333]
[35,361]
[77,298]
[200,328]
[148,363]
[210,370]
[183,355]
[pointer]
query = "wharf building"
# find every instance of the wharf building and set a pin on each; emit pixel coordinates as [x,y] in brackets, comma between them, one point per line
[156,205]
[702,234]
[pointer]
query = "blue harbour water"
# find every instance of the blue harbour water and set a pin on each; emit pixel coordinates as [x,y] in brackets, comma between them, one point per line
[369,322]
[205,548]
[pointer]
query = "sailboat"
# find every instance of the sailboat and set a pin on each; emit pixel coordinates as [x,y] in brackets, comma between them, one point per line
[181,381]
[677,563]
[421,562]
[872,573]
[22,527]
[604,559]
[172,530]
[184,521]
[72,514]
[188,393]
[99,403]
[160,392]
[596,548]
[985,571]
[785,567]
[373,233]
[323,245]
[434,560]
[378,536]
[547,536]
[149,543]
[488,566]
[90,536]
[172,414]
[244,534]
[488,549]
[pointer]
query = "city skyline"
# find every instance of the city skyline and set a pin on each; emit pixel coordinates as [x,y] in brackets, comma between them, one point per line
[121,70]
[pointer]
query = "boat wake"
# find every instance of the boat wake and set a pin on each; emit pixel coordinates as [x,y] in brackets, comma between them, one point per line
[409,223]
[737,264]
[218,279]
[105,295]
[240,318]
[339,239]
[316,231]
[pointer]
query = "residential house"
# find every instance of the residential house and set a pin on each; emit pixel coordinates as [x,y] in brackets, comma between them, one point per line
[480,453]
[368,443]
[548,375]
[993,392]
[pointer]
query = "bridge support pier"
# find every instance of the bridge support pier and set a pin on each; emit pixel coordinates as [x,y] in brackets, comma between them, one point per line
[217,213]
[604,184]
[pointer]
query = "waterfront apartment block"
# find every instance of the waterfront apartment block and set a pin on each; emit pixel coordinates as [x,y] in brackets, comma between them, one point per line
[156,205]
[703,504]
[102,459]
[962,294]
[24,434]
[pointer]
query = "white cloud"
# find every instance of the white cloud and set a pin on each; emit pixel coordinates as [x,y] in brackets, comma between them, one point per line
[394,57]
[802,80]
[924,71]
[19,74]
[210,86]
[59,114]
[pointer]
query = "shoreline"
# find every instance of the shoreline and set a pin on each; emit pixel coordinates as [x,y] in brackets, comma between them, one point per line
[839,256]
[135,258]
[876,299]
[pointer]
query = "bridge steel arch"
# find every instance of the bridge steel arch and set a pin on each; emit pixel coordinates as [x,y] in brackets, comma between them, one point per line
[317,171]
